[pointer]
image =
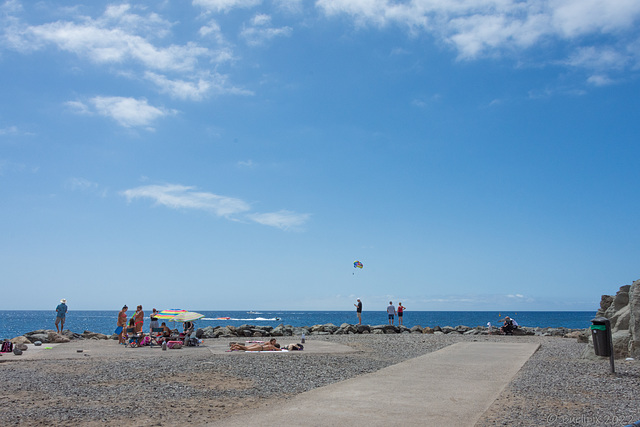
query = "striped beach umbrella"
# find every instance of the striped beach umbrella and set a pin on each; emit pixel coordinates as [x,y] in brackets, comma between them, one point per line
[187,316]
[169,314]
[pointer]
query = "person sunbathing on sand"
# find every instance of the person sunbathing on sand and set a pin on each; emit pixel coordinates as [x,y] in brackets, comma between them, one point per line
[272,345]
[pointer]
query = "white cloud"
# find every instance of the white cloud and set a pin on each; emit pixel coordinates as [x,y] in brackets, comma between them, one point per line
[179,88]
[283,219]
[212,31]
[128,112]
[493,27]
[117,45]
[128,41]
[600,80]
[602,58]
[225,5]
[290,6]
[81,184]
[11,130]
[260,30]
[515,296]
[13,167]
[195,90]
[578,17]
[185,197]
[78,107]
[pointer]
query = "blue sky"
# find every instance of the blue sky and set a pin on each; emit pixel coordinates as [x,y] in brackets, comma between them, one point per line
[242,154]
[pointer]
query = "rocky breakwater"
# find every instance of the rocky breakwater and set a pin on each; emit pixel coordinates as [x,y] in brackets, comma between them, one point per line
[623,311]
[51,336]
[253,331]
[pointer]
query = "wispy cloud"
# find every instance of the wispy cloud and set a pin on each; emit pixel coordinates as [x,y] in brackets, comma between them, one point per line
[260,31]
[225,5]
[128,112]
[81,184]
[8,166]
[86,186]
[489,27]
[208,83]
[283,219]
[10,130]
[132,44]
[177,196]
[184,197]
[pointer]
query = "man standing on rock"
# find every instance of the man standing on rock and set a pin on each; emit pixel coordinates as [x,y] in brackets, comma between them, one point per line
[391,311]
[359,311]
[61,313]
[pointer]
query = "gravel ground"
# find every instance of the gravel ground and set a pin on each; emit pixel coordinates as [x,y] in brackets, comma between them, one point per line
[555,387]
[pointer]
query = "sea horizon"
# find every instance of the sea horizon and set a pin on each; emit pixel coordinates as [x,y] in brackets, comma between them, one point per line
[17,322]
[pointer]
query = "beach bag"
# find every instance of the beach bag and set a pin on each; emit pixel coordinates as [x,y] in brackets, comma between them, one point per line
[7,347]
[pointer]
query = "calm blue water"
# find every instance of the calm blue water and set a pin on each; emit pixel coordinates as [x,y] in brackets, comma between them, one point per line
[15,323]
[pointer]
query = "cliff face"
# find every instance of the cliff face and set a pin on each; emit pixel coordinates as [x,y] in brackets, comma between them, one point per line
[623,311]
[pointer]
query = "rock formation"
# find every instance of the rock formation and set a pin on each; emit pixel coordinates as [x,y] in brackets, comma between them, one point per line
[623,311]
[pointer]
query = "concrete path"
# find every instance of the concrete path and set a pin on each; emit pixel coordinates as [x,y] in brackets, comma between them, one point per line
[450,387]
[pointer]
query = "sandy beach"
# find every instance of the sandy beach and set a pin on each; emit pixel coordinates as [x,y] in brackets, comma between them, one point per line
[107,384]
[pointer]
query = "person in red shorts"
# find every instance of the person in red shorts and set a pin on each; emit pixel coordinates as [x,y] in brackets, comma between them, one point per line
[400,311]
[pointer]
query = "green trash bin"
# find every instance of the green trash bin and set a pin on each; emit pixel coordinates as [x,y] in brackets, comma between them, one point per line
[601,333]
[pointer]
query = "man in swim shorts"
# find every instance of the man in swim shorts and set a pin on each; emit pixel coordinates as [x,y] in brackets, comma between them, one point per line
[359,311]
[61,314]
[391,311]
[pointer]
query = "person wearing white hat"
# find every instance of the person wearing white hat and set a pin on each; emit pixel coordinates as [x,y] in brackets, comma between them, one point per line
[359,311]
[61,313]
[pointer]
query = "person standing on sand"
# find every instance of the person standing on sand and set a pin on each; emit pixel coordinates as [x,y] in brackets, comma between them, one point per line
[400,311]
[154,321]
[61,314]
[359,311]
[122,323]
[391,311]
[139,319]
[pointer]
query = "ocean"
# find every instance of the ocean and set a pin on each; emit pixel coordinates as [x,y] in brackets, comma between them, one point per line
[15,323]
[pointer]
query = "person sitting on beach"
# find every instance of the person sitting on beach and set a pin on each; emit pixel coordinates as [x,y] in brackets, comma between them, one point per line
[133,335]
[165,335]
[272,345]
[507,327]
[188,328]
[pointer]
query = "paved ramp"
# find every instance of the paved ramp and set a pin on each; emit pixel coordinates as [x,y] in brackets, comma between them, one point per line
[450,387]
